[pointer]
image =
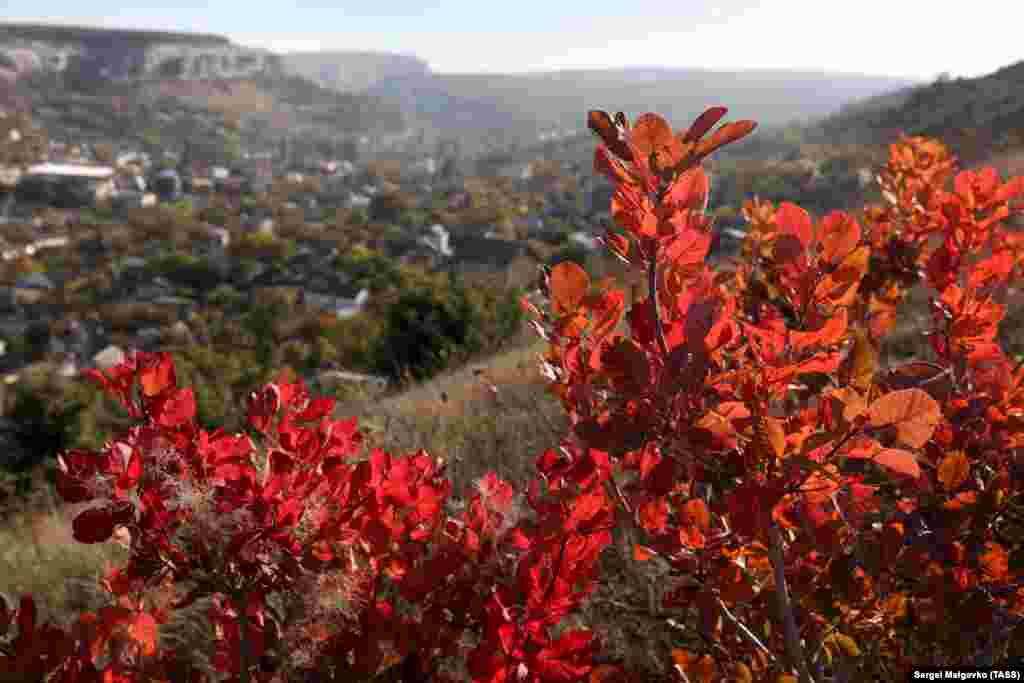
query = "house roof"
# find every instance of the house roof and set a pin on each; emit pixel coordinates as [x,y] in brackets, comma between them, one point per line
[74,170]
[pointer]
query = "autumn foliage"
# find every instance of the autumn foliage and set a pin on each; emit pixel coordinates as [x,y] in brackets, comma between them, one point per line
[821,517]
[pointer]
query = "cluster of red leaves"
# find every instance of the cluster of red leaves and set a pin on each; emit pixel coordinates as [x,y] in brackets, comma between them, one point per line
[818,514]
[219,516]
[794,488]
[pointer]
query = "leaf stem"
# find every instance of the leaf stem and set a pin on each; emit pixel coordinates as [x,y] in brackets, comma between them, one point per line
[652,292]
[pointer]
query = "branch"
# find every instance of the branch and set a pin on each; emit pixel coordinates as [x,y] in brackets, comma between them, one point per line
[243,638]
[745,631]
[794,649]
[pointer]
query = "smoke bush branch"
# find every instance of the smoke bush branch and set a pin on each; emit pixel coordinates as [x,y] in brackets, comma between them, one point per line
[794,649]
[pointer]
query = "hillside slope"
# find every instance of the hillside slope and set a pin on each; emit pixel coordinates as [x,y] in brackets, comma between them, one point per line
[974,114]
[771,97]
[522,105]
[351,71]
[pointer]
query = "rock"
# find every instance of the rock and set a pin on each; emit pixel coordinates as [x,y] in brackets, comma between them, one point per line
[109,357]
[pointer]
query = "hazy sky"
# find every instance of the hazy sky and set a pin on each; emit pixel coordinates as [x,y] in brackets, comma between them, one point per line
[909,38]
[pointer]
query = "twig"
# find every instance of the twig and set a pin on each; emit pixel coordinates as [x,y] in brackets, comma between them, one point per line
[744,630]
[794,649]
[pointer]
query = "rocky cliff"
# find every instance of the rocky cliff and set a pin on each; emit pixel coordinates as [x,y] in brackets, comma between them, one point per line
[87,55]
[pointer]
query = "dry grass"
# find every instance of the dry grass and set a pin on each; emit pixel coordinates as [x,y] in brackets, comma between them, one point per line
[39,556]
[496,416]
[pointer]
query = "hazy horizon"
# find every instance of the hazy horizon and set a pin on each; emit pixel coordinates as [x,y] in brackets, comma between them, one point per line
[868,38]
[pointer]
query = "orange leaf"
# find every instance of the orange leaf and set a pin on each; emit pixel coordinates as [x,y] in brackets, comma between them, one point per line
[144,631]
[914,413]
[840,286]
[703,123]
[688,191]
[775,435]
[899,461]
[741,673]
[568,285]
[853,402]
[158,377]
[954,470]
[862,363]
[840,234]
[651,135]
[830,333]
[725,135]
[994,561]
[703,669]
[697,513]
[641,553]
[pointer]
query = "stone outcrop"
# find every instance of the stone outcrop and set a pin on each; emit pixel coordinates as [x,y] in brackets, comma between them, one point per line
[91,54]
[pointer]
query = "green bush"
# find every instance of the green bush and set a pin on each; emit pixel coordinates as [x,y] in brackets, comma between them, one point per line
[424,330]
[34,432]
[216,215]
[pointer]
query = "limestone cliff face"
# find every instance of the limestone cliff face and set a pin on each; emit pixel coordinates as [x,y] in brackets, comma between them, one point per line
[91,54]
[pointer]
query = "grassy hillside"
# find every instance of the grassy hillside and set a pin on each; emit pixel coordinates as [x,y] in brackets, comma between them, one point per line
[972,114]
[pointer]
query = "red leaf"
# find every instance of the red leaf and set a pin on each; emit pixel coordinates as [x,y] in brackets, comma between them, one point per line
[831,332]
[316,410]
[568,284]
[914,413]
[653,515]
[26,618]
[793,220]
[899,461]
[567,659]
[178,409]
[94,525]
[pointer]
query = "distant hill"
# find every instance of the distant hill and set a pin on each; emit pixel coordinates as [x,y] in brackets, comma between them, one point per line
[523,104]
[352,71]
[972,114]
[771,97]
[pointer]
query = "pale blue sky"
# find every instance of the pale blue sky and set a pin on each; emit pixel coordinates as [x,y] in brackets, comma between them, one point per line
[909,38]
